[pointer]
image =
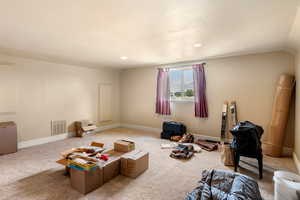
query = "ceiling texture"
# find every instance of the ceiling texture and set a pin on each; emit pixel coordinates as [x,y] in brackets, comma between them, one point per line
[96,33]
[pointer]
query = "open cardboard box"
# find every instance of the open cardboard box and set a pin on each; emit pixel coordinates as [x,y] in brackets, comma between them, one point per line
[124,145]
[86,181]
[111,168]
[129,164]
[134,163]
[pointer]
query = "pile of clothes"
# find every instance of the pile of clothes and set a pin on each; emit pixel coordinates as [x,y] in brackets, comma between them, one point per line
[183,151]
[186,138]
[185,148]
[221,185]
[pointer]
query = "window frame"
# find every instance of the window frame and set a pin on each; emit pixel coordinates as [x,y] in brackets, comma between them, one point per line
[181,99]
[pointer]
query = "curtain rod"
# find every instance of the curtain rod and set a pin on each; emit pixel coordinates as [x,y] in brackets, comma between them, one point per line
[172,66]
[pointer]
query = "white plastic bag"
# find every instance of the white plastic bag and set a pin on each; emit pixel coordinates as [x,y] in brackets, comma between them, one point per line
[286,185]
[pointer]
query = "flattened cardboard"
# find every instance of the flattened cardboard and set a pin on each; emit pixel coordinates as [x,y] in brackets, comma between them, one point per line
[124,145]
[64,154]
[97,144]
[134,163]
[63,162]
[86,181]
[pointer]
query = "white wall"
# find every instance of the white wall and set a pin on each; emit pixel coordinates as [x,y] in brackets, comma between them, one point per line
[249,79]
[295,43]
[297,118]
[33,93]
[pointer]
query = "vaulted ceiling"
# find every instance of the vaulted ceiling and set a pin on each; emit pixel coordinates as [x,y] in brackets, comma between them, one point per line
[97,33]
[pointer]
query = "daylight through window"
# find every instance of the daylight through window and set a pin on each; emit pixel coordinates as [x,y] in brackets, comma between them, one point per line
[182,84]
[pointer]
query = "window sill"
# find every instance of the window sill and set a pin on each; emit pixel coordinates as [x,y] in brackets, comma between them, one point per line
[182,101]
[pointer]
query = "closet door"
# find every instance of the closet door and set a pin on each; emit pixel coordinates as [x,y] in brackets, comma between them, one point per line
[105,102]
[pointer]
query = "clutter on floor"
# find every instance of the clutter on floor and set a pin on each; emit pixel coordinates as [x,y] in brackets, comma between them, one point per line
[172,129]
[221,184]
[173,145]
[134,163]
[227,157]
[280,115]
[170,145]
[182,151]
[197,148]
[183,142]
[8,141]
[286,185]
[124,145]
[176,132]
[92,166]
[246,142]
[187,138]
[175,138]
[207,145]
[84,127]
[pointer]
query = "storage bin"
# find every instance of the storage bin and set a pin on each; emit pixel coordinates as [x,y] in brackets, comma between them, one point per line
[287,185]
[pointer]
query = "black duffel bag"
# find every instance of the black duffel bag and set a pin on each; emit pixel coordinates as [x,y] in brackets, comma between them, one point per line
[172,129]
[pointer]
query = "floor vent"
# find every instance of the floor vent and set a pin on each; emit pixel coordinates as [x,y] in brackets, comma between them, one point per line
[58,127]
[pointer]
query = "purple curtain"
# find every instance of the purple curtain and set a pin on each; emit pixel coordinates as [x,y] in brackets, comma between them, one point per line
[199,88]
[163,92]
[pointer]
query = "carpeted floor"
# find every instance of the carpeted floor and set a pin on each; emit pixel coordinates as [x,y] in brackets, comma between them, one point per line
[32,173]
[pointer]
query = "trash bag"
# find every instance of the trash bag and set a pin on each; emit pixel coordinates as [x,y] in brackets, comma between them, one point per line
[246,138]
[287,185]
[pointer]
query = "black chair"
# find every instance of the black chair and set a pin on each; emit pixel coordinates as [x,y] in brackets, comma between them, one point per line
[246,142]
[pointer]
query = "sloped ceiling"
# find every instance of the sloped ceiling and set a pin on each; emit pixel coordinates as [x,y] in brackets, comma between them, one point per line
[97,33]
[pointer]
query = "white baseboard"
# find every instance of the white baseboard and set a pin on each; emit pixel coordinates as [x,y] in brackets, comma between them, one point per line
[45,140]
[297,162]
[139,127]
[106,127]
[158,130]
[286,150]
[211,138]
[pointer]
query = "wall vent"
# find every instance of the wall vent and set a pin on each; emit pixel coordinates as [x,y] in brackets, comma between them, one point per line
[58,127]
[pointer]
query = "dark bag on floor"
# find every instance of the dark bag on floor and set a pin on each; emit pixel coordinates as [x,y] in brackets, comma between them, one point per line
[172,129]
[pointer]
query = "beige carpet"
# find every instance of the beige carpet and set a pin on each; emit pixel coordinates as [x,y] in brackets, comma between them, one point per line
[33,174]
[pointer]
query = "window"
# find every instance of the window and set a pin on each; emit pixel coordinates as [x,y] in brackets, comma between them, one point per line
[182,84]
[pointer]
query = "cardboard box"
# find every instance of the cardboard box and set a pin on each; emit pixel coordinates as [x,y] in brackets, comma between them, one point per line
[134,163]
[8,135]
[86,181]
[83,127]
[124,145]
[97,144]
[111,168]
[63,162]
[64,154]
